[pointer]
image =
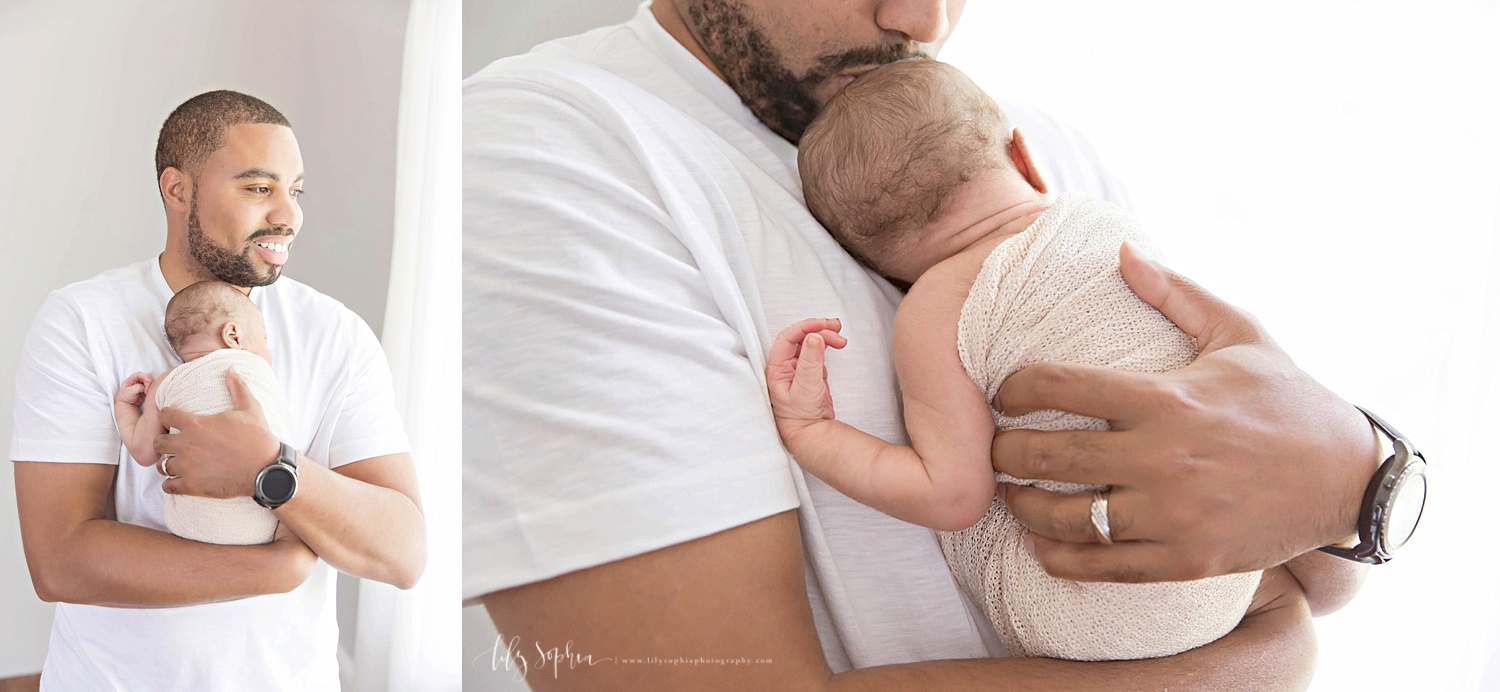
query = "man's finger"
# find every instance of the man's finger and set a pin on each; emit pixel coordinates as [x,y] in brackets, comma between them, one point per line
[166,443]
[239,393]
[1202,315]
[1087,390]
[173,417]
[173,486]
[1132,562]
[1068,517]
[1076,456]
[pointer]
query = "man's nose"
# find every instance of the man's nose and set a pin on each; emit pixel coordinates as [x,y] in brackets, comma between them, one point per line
[285,212]
[923,21]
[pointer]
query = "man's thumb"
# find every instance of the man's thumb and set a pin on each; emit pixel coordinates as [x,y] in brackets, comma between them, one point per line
[1200,314]
[239,392]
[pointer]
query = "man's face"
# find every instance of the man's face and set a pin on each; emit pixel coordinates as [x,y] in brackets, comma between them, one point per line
[245,210]
[787,58]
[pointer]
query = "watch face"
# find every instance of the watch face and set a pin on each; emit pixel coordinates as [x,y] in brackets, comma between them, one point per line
[276,485]
[1407,500]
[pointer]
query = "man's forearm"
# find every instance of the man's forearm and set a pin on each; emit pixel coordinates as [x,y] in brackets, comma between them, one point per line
[1274,648]
[75,555]
[109,563]
[1330,582]
[359,527]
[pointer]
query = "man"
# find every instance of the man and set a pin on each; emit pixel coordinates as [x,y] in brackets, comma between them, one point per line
[635,237]
[139,608]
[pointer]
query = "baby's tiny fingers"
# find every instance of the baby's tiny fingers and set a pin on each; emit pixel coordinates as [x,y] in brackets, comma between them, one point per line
[809,361]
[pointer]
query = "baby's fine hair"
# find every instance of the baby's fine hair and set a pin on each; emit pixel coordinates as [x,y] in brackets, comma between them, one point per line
[204,306]
[884,157]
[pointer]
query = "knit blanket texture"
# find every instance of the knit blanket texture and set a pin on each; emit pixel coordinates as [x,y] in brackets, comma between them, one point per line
[198,386]
[1054,293]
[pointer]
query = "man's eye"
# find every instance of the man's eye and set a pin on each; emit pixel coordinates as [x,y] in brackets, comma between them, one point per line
[296,193]
[260,190]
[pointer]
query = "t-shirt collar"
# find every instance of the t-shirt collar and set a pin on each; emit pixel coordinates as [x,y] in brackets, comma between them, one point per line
[705,81]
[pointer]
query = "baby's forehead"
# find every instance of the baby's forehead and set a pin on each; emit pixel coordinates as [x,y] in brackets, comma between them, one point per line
[213,298]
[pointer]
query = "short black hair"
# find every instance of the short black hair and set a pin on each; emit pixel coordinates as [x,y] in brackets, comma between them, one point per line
[196,128]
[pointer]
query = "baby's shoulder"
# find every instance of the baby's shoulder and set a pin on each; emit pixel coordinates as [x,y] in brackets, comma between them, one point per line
[934,301]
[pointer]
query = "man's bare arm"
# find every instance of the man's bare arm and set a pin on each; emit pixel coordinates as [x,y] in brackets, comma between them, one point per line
[75,555]
[740,594]
[364,518]
[1329,582]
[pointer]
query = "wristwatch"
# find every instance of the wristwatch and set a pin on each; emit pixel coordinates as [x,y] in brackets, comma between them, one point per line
[276,484]
[1394,501]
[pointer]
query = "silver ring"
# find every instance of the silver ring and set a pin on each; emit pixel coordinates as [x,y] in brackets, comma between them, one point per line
[161,465]
[1099,514]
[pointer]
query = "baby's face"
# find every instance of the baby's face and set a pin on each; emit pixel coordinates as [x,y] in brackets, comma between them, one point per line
[253,338]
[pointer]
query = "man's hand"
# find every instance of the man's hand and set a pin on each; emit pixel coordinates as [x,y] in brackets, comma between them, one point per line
[218,455]
[297,558]
[1239,461]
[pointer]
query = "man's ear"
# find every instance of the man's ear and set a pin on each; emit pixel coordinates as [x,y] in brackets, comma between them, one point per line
[176,190]
[230,333]
[1021,156]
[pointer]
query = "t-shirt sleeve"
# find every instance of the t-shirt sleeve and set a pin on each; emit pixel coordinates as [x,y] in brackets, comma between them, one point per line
[609,407]
[63,412]
[368,424]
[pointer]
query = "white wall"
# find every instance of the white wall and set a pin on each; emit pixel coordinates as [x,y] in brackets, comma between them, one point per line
[1330,165]
[85,88]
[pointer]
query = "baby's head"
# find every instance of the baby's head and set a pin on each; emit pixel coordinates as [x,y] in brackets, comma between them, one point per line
[896,164]
[210,315]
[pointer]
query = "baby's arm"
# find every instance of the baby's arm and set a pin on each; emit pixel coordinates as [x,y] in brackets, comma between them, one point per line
[136,416]
[944,480]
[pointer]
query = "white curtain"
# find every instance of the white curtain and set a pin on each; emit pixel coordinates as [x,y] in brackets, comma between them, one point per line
[1332,167]
[410,640]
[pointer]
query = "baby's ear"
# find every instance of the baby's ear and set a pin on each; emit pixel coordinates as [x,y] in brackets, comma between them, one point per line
[230,334]
[1020,155]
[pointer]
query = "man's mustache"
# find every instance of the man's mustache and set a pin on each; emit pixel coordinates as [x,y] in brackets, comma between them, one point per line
[830,65]
[271,231]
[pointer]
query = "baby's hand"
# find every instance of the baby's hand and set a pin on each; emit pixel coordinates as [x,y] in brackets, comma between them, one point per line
[795,375]
[133,391]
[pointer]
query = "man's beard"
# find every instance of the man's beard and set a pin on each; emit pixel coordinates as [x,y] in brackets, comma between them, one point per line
[774,94]
[223,264]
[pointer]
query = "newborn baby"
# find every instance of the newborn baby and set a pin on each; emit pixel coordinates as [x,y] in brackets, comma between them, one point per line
[920,176]
[212,326]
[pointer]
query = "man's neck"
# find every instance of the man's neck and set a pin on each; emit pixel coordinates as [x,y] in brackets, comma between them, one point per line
[671,20]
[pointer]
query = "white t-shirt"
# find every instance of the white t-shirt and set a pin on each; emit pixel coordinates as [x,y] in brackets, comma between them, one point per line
[634,239]
[87,338]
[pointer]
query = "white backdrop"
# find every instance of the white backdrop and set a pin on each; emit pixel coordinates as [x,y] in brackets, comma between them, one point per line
[86,87]
[1334,167]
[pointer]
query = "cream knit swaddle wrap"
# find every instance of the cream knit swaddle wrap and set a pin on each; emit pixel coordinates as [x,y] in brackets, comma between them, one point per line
[1054,293]
[198,386]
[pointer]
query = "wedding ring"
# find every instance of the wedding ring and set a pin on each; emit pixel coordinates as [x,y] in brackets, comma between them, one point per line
[161,465]
[1099,514]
